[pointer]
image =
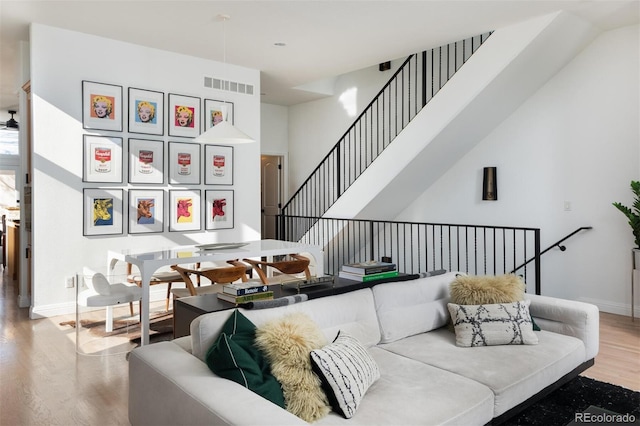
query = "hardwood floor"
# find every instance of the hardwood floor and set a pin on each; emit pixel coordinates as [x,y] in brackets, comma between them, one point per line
[44,382]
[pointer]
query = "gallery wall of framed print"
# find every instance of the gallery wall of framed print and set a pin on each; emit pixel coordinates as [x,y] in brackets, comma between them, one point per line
[219,209]
[102,159]
[184,163]
[102,212]
[218,165]
[214,111]
[146,211]
[146,161]
[184,210]
[184,115]
[101,106]
[146,111]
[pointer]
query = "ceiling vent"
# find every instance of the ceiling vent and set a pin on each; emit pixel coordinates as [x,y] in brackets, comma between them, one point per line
[227,85]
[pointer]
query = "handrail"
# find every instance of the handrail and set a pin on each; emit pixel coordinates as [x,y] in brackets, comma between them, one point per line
[556,244]
[390,111]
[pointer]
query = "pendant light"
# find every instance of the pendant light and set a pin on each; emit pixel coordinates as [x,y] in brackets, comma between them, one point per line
[224,132]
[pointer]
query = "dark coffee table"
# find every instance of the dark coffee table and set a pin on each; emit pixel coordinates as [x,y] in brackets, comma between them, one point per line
[186,309]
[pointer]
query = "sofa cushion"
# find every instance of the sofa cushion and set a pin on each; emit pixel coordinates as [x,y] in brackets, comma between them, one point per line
[410,392]
[352,312]
[347,371]
[498,367]
[496,324]
[287,343]
[233,356]
[486,289]
[412,307]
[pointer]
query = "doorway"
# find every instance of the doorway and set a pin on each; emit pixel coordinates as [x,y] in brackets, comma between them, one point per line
[271,193]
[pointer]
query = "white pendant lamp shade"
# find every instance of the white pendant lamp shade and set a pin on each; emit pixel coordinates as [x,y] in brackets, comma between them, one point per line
[222,133]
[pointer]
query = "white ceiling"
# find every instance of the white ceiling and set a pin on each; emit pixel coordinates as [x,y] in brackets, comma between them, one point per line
[323,38]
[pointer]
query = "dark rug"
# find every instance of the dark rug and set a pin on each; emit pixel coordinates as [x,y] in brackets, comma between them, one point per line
[561,406]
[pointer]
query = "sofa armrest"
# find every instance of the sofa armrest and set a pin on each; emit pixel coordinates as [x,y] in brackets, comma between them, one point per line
[568,317]
[169,386]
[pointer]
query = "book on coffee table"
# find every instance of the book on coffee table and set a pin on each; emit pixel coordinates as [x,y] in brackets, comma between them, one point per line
[265,295]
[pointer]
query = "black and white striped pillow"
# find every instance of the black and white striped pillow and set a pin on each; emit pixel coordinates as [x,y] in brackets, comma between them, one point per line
[346,371]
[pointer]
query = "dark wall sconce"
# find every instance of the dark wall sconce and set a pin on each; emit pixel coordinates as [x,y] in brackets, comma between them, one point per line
[385,66]
[490,184]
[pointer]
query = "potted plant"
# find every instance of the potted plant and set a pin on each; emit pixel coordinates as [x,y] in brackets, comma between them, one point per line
[633,214]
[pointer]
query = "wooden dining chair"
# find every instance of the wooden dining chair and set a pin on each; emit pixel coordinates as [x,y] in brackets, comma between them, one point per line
[288,269]
[162,277]
[217,275]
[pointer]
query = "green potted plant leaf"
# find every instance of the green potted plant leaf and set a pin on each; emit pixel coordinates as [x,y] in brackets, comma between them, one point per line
[633,214]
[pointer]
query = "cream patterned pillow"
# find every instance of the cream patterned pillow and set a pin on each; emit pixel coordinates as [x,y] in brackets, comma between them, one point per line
[347,371]
[497,324]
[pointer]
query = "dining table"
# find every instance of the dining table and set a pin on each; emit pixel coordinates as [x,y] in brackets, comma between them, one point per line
[148,262]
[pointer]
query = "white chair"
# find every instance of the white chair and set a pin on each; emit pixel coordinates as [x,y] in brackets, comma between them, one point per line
[101,293]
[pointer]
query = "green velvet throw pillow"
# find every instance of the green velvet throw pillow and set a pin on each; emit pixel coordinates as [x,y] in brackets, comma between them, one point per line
[233,356]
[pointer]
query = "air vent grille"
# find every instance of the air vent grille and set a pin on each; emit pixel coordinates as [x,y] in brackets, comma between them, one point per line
[227,85]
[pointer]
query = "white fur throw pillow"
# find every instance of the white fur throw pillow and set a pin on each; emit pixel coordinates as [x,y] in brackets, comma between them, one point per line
[486,289]
[497,324]
[287,343]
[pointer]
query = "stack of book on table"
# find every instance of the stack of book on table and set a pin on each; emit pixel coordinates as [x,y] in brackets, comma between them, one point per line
[368,271]
[245,292]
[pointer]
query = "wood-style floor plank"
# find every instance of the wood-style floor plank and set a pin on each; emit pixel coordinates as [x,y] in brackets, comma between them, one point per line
[44,382]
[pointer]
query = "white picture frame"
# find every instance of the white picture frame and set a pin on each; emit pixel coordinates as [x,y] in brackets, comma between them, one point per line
[218,165]
[146,111]
[101,106]
[184,163]
[146,211]
[146,161]
[102,211]
[102,159]
[184,210]
[219,212]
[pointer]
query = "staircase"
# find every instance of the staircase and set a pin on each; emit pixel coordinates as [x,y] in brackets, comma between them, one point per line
[367,176]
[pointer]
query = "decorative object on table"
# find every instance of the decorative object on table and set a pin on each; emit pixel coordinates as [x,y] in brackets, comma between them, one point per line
[214,113]
[146,111]
[183,115]
[102,159]
[490,184]
[237,300]
[302,283]
[280,301]
[184,163]
[633,215]
[219,209]
[184,210]
[367,271]
[102,211]
[218,165]
[223,132]
[146,161]
[146,211]
[369,267]
[244,288]
[101,106]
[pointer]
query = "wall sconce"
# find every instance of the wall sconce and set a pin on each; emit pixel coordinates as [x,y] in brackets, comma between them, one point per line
[490,184]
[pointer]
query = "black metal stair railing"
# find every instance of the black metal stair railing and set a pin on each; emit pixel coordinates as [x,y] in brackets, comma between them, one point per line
[411,87]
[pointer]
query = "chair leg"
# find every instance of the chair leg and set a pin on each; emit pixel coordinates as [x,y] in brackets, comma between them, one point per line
[131,308]
[168,300]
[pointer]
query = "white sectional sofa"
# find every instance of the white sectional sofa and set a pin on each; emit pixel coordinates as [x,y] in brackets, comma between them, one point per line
[425,379]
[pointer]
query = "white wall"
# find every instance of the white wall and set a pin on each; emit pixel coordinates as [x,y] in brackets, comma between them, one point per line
[60,60]
[576,140]
[315,127]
